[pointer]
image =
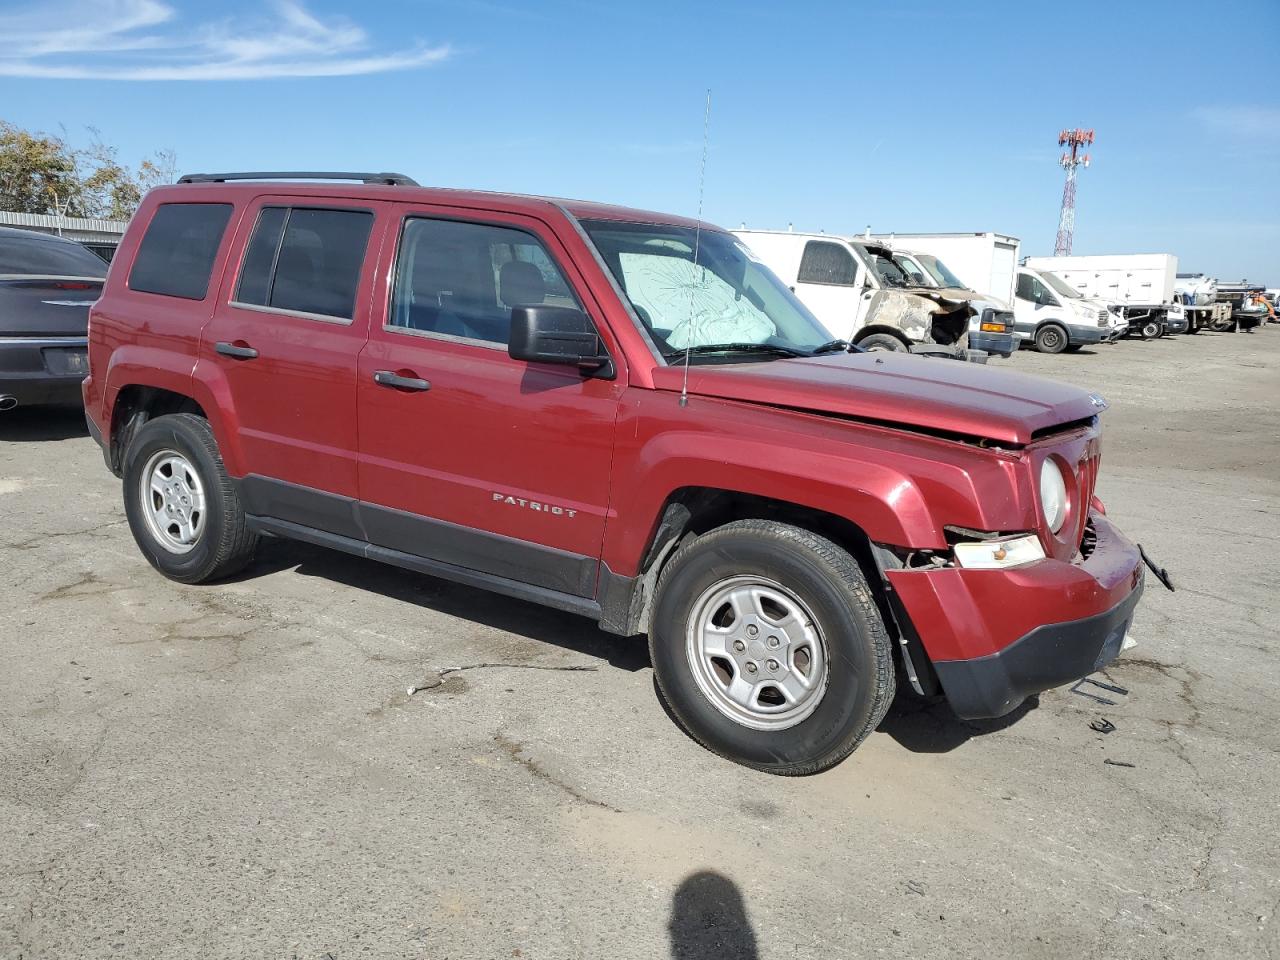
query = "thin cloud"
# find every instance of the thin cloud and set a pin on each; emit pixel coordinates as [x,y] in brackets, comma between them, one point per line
[1241,122]
[149,40]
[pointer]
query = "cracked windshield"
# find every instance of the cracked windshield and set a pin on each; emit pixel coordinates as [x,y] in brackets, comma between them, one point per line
[721,304]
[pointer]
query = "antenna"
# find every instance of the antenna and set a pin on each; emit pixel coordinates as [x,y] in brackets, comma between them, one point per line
[697,239]
[1075,139]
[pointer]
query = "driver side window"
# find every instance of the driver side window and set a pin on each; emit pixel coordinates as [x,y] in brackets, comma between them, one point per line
[457,279]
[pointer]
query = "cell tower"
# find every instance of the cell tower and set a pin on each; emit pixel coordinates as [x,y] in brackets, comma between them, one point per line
[1075,139]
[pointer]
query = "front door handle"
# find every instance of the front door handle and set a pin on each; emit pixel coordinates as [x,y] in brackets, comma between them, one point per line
[387,378]
[233,350]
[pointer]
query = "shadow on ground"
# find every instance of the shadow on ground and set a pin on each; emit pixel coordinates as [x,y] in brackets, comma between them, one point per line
[709,920]
[930,726]
[38,424]
[530,620]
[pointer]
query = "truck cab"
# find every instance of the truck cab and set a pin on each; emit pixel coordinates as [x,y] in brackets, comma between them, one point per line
[859,294]
[1052,317]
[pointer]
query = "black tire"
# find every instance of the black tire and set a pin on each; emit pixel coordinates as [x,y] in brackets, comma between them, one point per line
[883,342]
[1149,330]
[829,585]
[224,544]
[1052,338]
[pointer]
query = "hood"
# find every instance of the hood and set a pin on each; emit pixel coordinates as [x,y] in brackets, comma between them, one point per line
[927,393]
[976,300]
[937,294]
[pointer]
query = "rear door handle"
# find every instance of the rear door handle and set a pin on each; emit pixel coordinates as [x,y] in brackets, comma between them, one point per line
[231,350]
[386,378]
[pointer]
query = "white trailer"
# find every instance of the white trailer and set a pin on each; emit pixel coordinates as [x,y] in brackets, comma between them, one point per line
[986,262]
[1138,286]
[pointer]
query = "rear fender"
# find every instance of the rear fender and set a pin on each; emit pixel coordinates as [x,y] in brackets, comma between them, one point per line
[137,365]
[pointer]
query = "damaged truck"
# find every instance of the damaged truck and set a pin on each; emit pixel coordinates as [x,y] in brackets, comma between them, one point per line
[859,294]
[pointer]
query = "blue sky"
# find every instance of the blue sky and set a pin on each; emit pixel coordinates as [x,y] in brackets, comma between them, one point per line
[906,117]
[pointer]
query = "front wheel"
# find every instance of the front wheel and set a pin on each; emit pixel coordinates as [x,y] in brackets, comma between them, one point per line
[1052,338]
[769,649]
[1150,330]
[182,508]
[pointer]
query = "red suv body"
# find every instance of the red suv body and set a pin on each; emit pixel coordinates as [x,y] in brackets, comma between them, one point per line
[510,392]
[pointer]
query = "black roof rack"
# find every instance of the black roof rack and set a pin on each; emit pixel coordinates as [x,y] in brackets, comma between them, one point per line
[394,179]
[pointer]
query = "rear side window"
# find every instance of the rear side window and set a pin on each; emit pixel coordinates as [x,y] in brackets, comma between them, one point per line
[305,260]
[47,257]
[177,251]
[826,262]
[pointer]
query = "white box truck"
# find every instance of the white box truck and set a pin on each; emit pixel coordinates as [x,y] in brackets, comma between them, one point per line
[986,262]
[1137,286]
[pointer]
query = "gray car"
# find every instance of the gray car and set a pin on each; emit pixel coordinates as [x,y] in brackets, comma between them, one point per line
[47,285]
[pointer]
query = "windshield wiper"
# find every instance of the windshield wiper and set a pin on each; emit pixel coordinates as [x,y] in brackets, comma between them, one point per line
[703,349]
[831,346]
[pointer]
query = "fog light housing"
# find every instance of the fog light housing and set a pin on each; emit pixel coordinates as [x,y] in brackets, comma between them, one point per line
[999,554]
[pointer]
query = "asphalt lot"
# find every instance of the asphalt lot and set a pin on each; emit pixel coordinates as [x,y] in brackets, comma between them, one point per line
[238,771]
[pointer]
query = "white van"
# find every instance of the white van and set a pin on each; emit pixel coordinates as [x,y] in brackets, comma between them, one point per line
[859,294]
[1053,317]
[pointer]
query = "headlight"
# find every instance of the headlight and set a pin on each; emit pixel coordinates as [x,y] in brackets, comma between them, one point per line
[1053,494]
[999,554]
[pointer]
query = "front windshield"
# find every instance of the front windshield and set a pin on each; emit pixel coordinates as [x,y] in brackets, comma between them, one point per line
[727,298]
[1061,286]
[938,270]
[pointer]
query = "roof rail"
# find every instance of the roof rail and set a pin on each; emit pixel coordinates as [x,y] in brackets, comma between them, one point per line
[394,179]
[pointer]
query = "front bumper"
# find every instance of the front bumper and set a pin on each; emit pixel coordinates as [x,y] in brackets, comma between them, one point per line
[996,637]
[1084,334]
[40,370]
[996,344]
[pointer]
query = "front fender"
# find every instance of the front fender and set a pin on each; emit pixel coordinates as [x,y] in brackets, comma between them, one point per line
[897,488]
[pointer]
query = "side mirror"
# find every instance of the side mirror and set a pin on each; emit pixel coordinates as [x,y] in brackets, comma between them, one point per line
[561,335]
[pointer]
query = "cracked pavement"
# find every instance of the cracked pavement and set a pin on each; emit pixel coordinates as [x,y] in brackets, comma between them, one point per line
[239,770]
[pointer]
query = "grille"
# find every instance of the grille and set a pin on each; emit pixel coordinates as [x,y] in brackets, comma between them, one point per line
[1102,318]
[1088,542]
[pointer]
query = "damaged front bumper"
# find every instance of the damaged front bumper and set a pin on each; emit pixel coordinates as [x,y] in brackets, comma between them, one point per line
[995,637]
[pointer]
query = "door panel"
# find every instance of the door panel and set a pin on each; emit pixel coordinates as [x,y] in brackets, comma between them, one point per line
[830,283]
[291,374]
[498,465]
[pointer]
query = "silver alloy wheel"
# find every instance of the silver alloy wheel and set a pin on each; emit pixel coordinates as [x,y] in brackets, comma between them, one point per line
[172,500]
[756,653]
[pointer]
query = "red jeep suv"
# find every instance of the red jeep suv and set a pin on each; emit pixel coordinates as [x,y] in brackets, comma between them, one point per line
[617,413]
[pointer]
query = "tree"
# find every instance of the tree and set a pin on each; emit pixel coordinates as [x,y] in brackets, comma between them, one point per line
[40,173]
[37,172]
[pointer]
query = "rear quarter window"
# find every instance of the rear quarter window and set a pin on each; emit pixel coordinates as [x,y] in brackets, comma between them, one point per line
[41,257]
[176,255]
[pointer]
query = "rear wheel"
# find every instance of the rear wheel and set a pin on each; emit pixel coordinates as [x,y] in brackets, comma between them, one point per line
[769,649]
[883,342]
[182,508]
[1052,338]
